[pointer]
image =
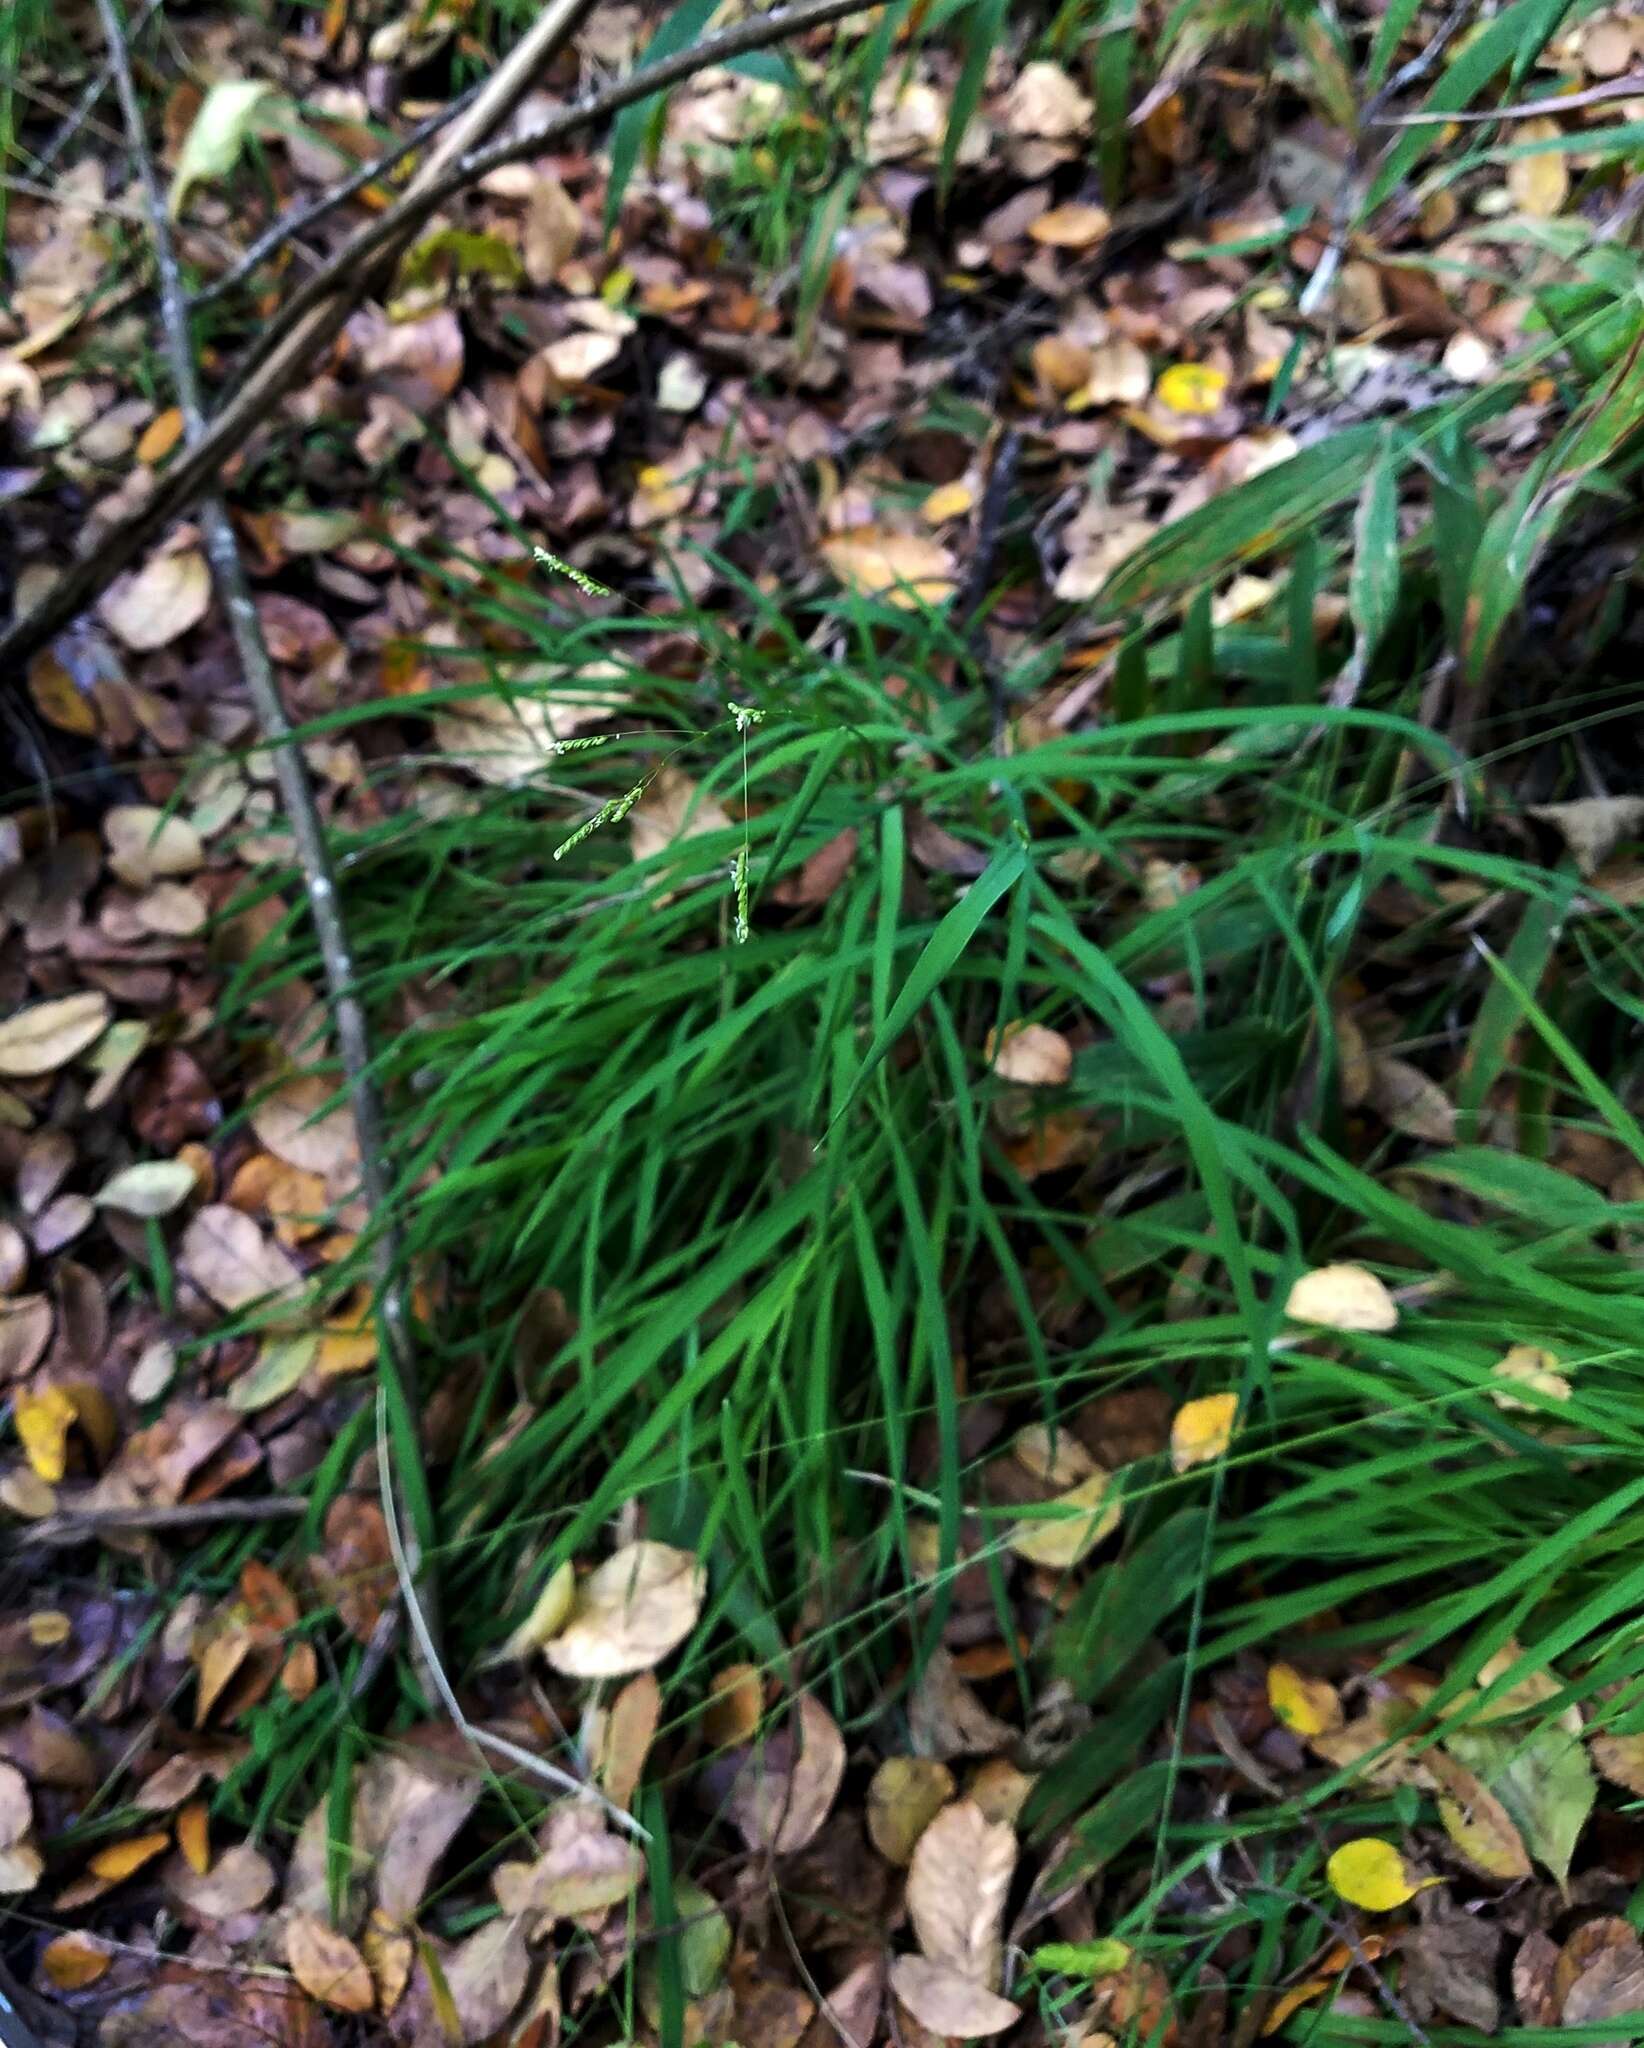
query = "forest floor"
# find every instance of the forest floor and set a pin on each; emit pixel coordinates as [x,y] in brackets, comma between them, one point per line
[896,1296]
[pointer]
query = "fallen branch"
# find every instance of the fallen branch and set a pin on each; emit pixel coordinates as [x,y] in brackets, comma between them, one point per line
[395,1363]
[321,307]
[84,1525]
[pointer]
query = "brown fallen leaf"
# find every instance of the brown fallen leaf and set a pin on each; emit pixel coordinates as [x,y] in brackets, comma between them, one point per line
[904,1796]
[156,604]
[239,1881]
[945,1717]
[302,1123]
[1477,1822]
[327,1965]
[147,844]
[1408,1102]
[1600,1973]
[1074,226]
[72,1961]
[630,1725]
[735,1706]
[780,1800]
[630,1612]
[407,1812]
[486,1976]
[672,809]
[46,1036]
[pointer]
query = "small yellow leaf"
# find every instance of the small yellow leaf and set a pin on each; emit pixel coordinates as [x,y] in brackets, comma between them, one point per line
[1193,388]
[327,1965]
[948,501]
[161,435]
[120,1859]
[1539,184]
[905,1795]
[43,1422]
[1083,1522]
[1342,1298]
[194,1836]
[1370,1873]
[1202,1430]
[1306,1706]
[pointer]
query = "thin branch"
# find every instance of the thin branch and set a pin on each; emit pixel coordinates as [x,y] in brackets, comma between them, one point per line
[81,1525]
[322,306]
[1629,88]
[396,1365]
[300,219]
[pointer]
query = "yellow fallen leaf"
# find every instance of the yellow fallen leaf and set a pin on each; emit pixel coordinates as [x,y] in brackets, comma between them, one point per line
[1342,1298]
[906,569]
[905,1795]
[120,1859]
[327,1965]
[194,1836]
[548,1615]
[948,501]
[629,1612]
[43,1421]
[1192,388]
[1085,1518]
[1539,185]
[1370,1873]
[1306,1706]
[1202,1430]
[161,435]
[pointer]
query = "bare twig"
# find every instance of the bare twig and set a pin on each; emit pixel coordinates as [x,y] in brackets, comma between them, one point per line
[396,1366]
[1629,88]
[300,219]
[80,1525]
[322,306]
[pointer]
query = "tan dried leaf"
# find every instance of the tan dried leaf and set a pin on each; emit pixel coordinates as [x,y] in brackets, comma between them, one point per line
[1045,101]
[672,808]
[908,570]
[1539,185]
[46,1036]
[486,1976]
[1085,1518]
[16,1807]
[156,604]
[406,1816]
[1592,827]
[1031,1055]
[1342,1297]
[296,1125]
[72,1961]
[583,1869]
[630,1612]
[146,845]
[958,1880]
[630,1725]
[948,2004]
[1477,1822]
[1408,1102]
[581,355]
[153,1187]
[228,1257]
[1074,226]
[240,1880]
[1528,1366]
[327,1965]
[905,1795]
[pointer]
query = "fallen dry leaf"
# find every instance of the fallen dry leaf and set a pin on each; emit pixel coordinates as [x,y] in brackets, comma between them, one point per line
[672,808]
[630,1612]
[583,1869]
[46,1036]
[630,1725]
[1342,1298]
[228,1257]
[1202,1430]
[153,1188]
[1409,1102]
[1371,1874]
[43,1420]
[156,604]
[1074,226]
[904,1796]
[1477,1822]
[327,1965]
[906,569]
[1536,1370]
[1539,184]
[1032,1055]
[121,1860]
[780,1800]
[1045,101]
[947,2004]
[958,1880]
[1306,1705]
[147,844]
[239,1881]
[72,1961]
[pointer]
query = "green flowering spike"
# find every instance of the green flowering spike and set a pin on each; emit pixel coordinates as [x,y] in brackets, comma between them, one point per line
[575,575]
[739,885]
